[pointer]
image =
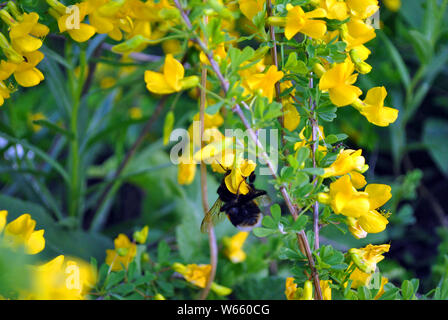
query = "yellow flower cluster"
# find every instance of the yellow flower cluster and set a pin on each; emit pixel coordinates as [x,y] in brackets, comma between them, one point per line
[137,23]
[21,50]
[62,278]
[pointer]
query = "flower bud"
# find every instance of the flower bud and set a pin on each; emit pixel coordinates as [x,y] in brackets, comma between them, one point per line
[319,69]
[57,6]
[277,21]
[323,197]
[220,290]
[307,291]
[158,296]
[189,82]
[179,267]
[130,45]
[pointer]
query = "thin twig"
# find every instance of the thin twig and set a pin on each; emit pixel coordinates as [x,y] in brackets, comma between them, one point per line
[211,232]
[315,138]
[303,240]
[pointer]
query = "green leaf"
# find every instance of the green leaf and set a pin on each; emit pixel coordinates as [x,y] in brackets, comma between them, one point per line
[268,222]
[397,59]
[300,223]
[54,127]
[114,278]
[263,232]
[435,135]
[163,252]
[407,290]
[276,212]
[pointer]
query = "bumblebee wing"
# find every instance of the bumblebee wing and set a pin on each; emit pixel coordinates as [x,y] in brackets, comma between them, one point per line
[213,216]
[263,201]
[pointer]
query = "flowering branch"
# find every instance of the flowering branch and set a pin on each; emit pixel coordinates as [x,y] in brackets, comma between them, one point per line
[303,241]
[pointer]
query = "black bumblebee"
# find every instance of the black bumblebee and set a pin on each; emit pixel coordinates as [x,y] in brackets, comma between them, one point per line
[242,210]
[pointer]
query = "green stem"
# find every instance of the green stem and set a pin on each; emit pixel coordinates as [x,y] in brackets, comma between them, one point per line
[76,86]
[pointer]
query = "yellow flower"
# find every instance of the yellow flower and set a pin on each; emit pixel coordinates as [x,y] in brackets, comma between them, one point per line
[20,232]
[347,161]
[4,92]
[219,149]
[218,54]
[372,221]
[251,7]
[198,275]
[291,288]
[193,273]
[107,82]
[135,113]
[367,258]
[384,281]
[356,32]
[236,180]
[210,120]
[344,198]
[359,278]
[186,171]
[299,21]
[171,80]
[26,33]
[62,278]
[26,73]
[291,117]
[142,235]
[79,32]
[374,110]
[338,81]
[233,247]
[326,289]
[122,255]
[335,9]
[3,215]
[363,8]
[392,5]
[265,82]
[355,229]
[294,293]
[304,141]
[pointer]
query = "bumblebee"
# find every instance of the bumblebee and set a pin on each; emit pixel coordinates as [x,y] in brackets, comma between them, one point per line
[242,210]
